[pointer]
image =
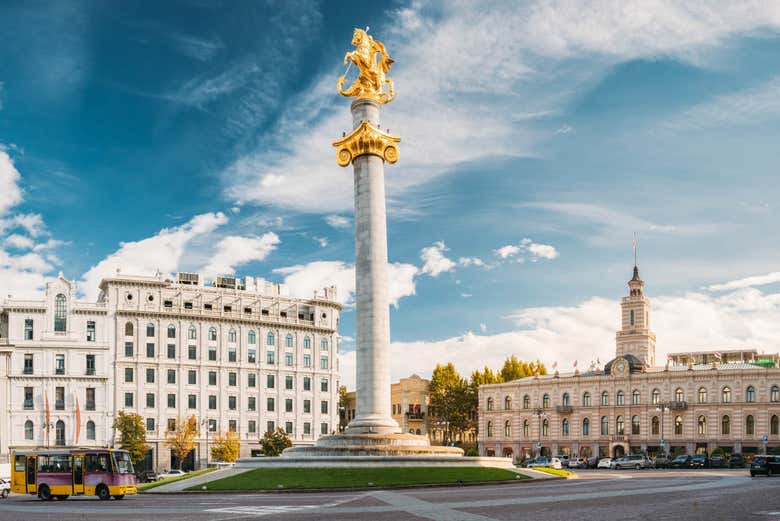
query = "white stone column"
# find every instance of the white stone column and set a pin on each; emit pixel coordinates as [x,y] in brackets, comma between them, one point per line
[371,277]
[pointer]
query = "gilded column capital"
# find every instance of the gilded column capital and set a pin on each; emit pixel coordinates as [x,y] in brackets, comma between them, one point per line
[366,139]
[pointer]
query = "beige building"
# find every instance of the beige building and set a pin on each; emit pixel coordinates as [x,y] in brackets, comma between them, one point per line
[694,403]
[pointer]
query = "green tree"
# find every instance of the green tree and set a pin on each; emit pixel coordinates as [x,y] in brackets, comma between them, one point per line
[132,435]
[182,440]
[226,447]
[274,443]
[452,400]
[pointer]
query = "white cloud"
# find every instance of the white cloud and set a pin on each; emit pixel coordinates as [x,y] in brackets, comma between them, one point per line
[233,251]
[322,240]
[32,223]
[483,327]
[544,251]
[756,280]
[10,193]
[471,261]
[201,49]
[507,251]
[20,242]
[527,246]
[338,221]
[163,251]
[304,279]
[435,261]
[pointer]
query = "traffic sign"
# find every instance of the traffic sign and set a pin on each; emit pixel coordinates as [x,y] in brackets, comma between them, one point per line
[538,444]
[662,441]
[765,438]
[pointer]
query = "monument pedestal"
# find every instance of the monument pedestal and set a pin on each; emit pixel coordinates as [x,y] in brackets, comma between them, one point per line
[373,445]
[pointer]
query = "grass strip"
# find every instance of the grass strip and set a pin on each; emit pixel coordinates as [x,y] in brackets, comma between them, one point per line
[555,472]
[146,486]
[325,478]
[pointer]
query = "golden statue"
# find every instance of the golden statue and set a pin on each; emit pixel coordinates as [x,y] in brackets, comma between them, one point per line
[371,82]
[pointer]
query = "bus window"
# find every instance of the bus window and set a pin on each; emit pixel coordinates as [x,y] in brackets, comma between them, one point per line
[122,462]
[43,463]
[19,463]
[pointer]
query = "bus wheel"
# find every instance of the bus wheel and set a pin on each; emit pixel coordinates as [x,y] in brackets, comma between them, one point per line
[119,496]
[44,493]
[102,493]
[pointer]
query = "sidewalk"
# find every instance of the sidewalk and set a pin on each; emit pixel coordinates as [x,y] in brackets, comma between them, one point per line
[178,486]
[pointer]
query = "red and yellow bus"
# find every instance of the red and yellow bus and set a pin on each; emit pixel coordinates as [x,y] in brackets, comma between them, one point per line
[57,474]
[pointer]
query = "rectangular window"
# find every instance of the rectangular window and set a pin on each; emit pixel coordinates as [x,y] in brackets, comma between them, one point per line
[288,359]
[212,402]
[90,405]
[269,404]
[288,382]
[171,331]
[150,400]
[150,376]
[323,428]
[288,427]
[192,401]
[128,349]
[128,374]
[252,356]
[306,383]
[324,385]
[288,405]
[150,330]
[128,399]
[171,376]
[171,401]
[251,380]
[168,303]
[59,398]
[231,354]
[90,364]
[192,377]
[270,426]
[270,357]
[192,352]
[324,407]
[212,378]
[91,334]
[307,406]
[172,424]
[306,427]
[171,351]
[232,403]
[270,381]
[252,427]
[150,424]
[28,398]
[149,350]
[307,360]
[232,379]
[212,425]
[252,403]
[232,425]
[212,354]
[59,364]
[28,329]
[324,362]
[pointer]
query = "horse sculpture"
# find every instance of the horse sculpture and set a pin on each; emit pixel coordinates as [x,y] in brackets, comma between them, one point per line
[372,79]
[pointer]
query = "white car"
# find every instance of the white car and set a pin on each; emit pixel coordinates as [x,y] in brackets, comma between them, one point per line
[5,488]
[171,474]
[555,463]
[604,463]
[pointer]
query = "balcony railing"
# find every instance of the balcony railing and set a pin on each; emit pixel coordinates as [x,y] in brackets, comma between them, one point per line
[59,370]
[28,370]
[90,406]
[678,405]
[564,409]
[90,371]
[59,405]
[415,415]
[28,405]
[619,437]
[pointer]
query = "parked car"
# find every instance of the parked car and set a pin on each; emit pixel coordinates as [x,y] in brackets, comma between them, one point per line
[717,461]
[171,474]
[564,459]
[534,462]
[632,461]
[736,461]
[593,462]
[662,461]
[604,463]
[700,461]
[555,463]
[578,463]
[683,461]
[146,476]
[5,488]
[766,465]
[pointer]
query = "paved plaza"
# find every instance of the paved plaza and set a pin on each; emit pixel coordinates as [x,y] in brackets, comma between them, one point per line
[595,495]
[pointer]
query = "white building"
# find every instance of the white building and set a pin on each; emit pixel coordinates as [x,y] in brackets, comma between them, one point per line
[240,355]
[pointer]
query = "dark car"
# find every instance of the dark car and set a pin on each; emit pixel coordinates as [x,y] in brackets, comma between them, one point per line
[662,462]
[682,461]
[700,461]
[766,465]
[736,461]
[593,461]
[146,476]
[717,462]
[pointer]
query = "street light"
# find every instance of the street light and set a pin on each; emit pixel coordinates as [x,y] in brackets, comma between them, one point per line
[663,409]
[540,413]
[205,421]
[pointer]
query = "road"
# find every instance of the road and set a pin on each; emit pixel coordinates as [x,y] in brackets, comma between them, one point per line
[597,495]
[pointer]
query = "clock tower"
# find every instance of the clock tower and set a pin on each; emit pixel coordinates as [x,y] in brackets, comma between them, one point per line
[635,337]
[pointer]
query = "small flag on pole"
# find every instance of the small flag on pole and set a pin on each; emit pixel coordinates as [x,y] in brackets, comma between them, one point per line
[718,356]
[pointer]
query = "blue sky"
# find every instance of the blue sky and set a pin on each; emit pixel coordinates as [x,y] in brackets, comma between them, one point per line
[537,137]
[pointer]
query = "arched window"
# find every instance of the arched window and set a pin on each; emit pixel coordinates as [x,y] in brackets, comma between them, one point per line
[679,395]
[507,402]
[213,334]
[232,335]
[546,427]
[726,395]
[620,400]
[655,425]
[565,399]
[774,426]
[526,402]
[586,400]
[150,329]
[565,427]
[28,429]
[635,397]
[90,430]
[527,429]
[324,344]
[288,341]
[774,394]
[605,398]
[192,333]
[604,426]
[270,339]
[702,395]
[306,343]
[507,429]
[129,329]
[59,433]
[656,399]
[620,429]
[725,425]
[586,427]
[490,404]
[702,425]
[60,314]
[678,426]
[635,424]
[546,401]
[490,429]
[252,337]
[171,331]
[750,425]
[632,317]
[750,394]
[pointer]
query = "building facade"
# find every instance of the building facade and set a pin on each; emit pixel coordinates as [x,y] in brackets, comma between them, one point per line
[692,404]
[240,355]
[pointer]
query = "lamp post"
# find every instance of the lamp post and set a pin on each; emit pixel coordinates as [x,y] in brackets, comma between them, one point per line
[540,413]
[205,421]
[663,409]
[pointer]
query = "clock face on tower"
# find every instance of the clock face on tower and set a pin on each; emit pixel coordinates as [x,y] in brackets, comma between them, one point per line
[620,367]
